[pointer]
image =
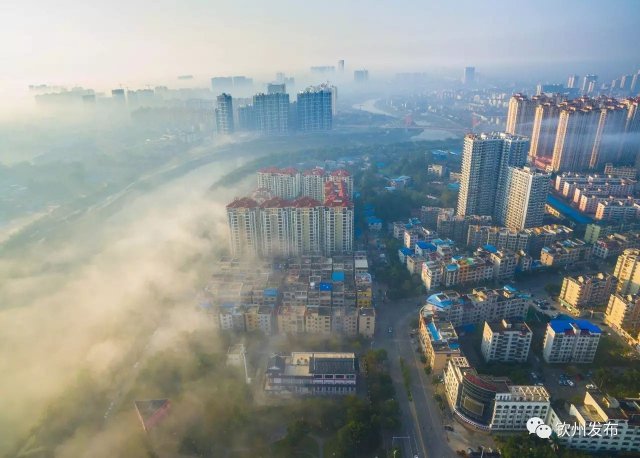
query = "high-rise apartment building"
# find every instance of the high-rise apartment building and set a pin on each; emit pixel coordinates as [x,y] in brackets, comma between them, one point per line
[338,225]
[506,341]
[485,160]
[627,271]
[573,81]
[276,236]
[119,97]
[589,83]
[469,76]
[224,114]
[609,134]
[630,149]
[306,222]
[271,113]
[543,134]
[575,137]
[222,84]
[521,115]
[242,216]
[283,183]
[276,88]
[523,202]
[315,109]
[361,76]
[313,183]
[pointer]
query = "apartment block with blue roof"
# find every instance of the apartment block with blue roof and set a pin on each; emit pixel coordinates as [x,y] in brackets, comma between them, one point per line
[570,341]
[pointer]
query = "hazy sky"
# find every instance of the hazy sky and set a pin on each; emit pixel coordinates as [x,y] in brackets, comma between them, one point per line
[106,42]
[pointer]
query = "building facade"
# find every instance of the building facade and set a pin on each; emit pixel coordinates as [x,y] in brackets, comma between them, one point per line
[312,373]
[570,341]
[506,341]
[627,271]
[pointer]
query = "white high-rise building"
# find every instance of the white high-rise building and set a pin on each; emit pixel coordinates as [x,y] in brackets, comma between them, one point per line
[306,223]
[338,226]
[276,232]
[283,183]
[242,215]
[522,204]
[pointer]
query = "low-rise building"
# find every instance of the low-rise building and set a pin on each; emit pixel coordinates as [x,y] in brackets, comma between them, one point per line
[291,319]
[570,341]
[438,170]
[614,209]
[312,373]
[364,294]
[317,320]
[488,403]
[236,355]
[438,340]
[565,252]
[344,320]
[513,408]
[481,305]
[259,318]
[600,424]
[587,290]
[614,244]
[366,321]
[506,341]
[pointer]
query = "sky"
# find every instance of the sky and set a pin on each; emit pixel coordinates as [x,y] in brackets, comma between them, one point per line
[95,43]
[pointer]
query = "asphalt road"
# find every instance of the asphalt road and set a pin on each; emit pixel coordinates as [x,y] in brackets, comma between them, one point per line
[423,429]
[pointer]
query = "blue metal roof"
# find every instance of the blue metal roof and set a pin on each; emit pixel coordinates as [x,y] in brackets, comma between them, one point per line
[568,211]
[422,244]
[406,251]
[270,292]
[490,248]
[560,325]
[434,331]
[325,286]
[337,276]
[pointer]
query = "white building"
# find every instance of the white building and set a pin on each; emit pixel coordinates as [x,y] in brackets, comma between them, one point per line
[596,411]
[570,341]
[513,408]
[506,341]
[283,183]
[523,202]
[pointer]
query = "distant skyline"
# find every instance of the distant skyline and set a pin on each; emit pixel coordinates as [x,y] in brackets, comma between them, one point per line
[102,44]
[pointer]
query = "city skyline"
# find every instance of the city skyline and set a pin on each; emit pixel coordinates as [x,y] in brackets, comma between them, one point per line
[161,44]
